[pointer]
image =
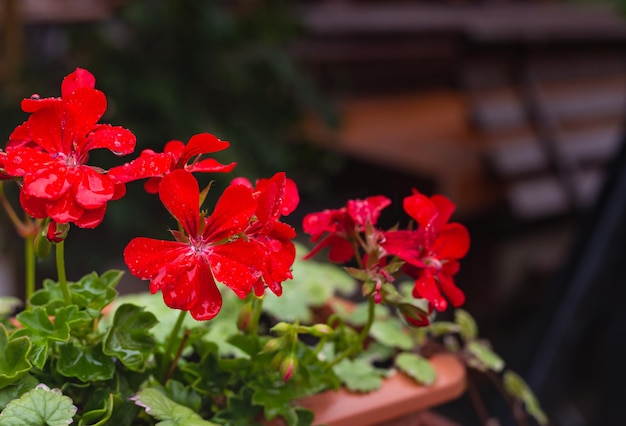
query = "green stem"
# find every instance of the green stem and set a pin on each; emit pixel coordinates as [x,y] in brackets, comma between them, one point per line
[257,309]
[60,258]
[171,343]
[370,320]
[29,260]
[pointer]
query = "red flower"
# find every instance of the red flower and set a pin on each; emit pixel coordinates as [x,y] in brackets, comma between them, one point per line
[341,226]
[276,197]
[176,155]
[50,150]
[432,251]
[210,249]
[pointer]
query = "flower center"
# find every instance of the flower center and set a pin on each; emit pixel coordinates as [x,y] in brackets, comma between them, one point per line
[433,262]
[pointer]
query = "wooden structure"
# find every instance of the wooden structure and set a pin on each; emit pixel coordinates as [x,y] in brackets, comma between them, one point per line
[521,102]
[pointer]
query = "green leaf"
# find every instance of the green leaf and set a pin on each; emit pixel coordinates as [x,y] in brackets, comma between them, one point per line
[441,328]
[8,304]
[167,411]
[358,375]
[39,407]
[87,363]
[129,338]
[43,329]
[390,332]
[99,416]
[17,389]
[94,292]
[14,352]
[417,367]
[483,357]
[518,388]
[276,398]
[50,297]
[467,325]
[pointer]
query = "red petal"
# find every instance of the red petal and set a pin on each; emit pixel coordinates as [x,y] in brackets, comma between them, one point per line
[51,181]
[210,165]
[79,78]
[270,198]
[35,207]
[21,161]
[118,140]
[182,290]
[237,265]
[444,206]
[152,185]
[426,288]
[146,257]
[202,143]
[91,218]
[452,292]
[368,210]
[453,242]
[65,209]
[291,198]
[82,110]
[175,149]
[209,299]
[148,164]
[180,194]
[231,214]
[92,189]
[34,103]
[420,208]
[407,245]
[45,129]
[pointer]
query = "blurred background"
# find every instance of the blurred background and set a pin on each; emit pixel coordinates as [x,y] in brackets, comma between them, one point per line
[513,109]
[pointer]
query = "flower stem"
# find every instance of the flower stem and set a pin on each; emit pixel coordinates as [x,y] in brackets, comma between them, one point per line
[60,258]
[257,309]
[29,260]
[370,320]
[171,343]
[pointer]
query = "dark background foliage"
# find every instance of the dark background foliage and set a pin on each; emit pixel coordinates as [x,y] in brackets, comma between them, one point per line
[171,69]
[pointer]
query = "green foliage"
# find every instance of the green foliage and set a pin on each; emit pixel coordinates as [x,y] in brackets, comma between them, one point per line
[167,411]
[416,367]
[517,387]
[359,375]
[129,338]
[39,407]
[15,361]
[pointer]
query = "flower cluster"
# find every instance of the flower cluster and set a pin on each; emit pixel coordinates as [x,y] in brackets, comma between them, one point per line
[80,352]
[430,254]
[242,244]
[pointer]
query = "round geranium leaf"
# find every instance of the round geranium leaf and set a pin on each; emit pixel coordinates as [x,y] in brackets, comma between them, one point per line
[41,406]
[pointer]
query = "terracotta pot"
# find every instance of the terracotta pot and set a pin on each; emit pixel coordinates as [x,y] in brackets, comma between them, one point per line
[399,402]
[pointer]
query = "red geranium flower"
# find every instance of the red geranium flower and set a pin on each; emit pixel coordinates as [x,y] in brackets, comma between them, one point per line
[432,251]
[342,225]
[276,197]
[176,155]
[50,150]
[210,249]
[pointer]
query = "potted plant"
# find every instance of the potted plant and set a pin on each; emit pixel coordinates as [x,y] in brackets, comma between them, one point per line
[249,330]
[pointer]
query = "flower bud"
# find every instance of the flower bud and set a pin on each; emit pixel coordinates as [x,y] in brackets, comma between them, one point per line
[273,345]
[321,330]
[288,366]
[42,245]
[244,317]
[413,315]
[281,328]
[57,232]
